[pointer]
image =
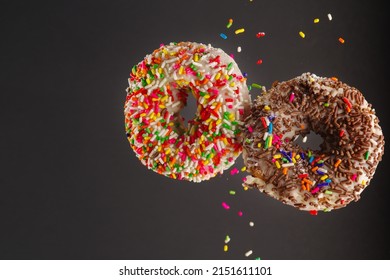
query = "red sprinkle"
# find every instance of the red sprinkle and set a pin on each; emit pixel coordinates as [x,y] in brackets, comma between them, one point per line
[260,34]
[313,212]
[260,61]
[341,133]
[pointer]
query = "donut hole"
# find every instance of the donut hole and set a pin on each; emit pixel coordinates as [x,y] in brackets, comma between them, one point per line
[189,103]
[311,141]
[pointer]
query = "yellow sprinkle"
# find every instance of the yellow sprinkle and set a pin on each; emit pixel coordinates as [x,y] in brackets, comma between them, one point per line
[363,182]
[218,76]
[297,156]
[231,117]
[245,188]
[259,145]
[277,156]
[181,70]
[238,31]
[218,121]
[159,149]
[225,141]
[206,162]
[323,177]
[153,71]
[148,81]
[227,77]
[160,70]
[316,20]
[196,57]
[232,84]
[302,34]
[161,106]
[267,108]
[277,164]
[167,151]
[173,175]
[243,169]
[210,126]
[293,160]
[207,96]
[142,115]
[225,248]
[164,98]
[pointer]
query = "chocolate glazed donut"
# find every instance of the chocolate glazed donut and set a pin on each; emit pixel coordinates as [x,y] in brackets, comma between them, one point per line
[312,180]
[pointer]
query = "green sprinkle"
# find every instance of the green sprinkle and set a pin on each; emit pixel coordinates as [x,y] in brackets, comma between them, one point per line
[230,66]
[257,86]
[144,83]
[237,131]
[225,125]
[249,88]
[155,66]
[258,258]
[201,93]
[328,192]
[247,140]
[162,76]
[326,104]
[366,155]
[230,77]
[232,192]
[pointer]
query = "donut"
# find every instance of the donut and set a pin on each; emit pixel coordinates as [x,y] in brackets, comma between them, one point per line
[313,180]
[158,90]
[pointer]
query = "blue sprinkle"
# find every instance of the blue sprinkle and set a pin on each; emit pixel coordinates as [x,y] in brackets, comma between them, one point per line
[311,159]
[270,128]
[322,184]
[328,180]
[302,154]
[286,155]
[320,172]
[223,36]
[245,74]
[320,164]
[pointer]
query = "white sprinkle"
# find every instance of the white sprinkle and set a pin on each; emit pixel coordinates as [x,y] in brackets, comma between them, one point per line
[329,16]
[176,104]
[288,164]
[304,139]
[247,254]
[322,170]
[239,49]
[251,224]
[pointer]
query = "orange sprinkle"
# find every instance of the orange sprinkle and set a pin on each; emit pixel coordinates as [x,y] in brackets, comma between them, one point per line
[307,181]
[341,40]
[285,169]
[334,79]
[314,169]
[337,163]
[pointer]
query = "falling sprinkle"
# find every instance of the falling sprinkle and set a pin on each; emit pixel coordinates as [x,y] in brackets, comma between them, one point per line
[257,258]
[257,86]
[251,224]
[238,31]
[316,20]
[239,213]
[341,40]
[234,171]
[224,205]
[223,36]
[243,169]
[229,23]
[329,16]
[313,212]
[238,49]
[260,34]
[227,239]
[304,139]
[225,248]
[260,61]
[245,188]
[302,34]
[232,192]
[247,254]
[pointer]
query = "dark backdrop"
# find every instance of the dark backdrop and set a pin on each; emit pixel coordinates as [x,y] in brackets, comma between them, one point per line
[71,187]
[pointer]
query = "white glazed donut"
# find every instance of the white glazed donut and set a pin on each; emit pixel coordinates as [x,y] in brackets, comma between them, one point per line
[323,180]
[158,90]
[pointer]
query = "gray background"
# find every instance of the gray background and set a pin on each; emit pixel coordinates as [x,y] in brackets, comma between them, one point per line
[71,187]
